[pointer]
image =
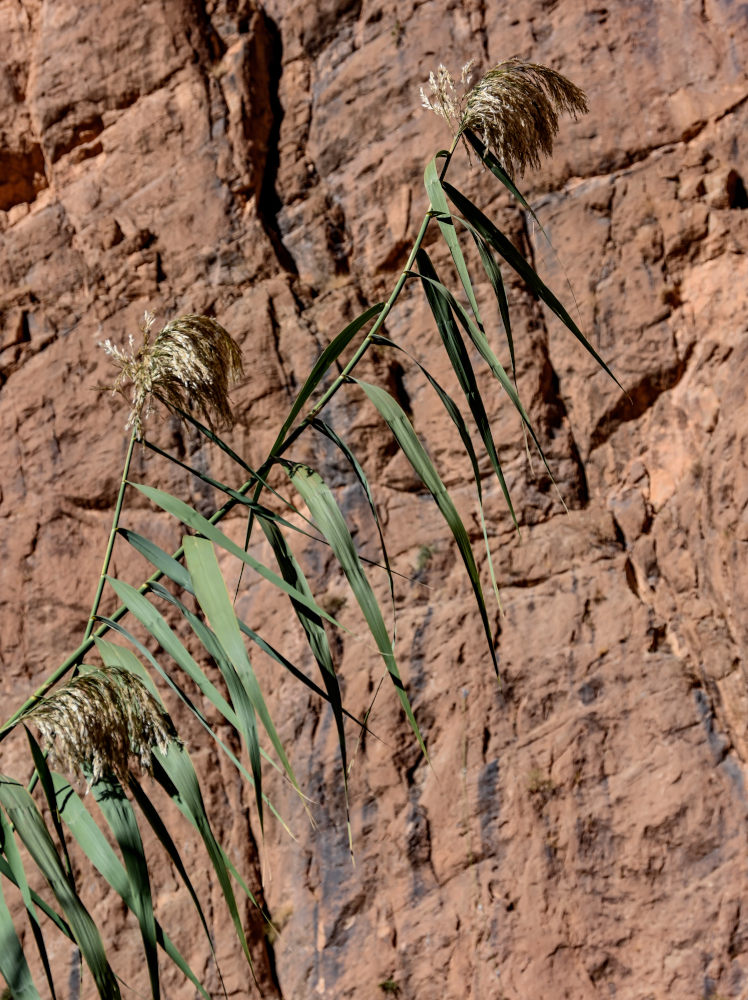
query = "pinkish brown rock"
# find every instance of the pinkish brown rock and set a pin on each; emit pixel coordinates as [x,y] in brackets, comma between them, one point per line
[582,830]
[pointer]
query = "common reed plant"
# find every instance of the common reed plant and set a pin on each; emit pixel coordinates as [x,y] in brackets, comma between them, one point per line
[105,724]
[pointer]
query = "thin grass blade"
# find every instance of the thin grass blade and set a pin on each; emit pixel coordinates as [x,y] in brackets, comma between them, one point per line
[326,429]
[13,965]
[13,858]
[395,417]
[446,225]
[463,368]
[190,517]
[30,826]
[495,238]
[213,597]
[120,816]
[175,772]
[331,523]
[103,858]
[457,419]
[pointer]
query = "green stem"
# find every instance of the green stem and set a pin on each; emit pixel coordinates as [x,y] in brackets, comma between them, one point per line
[112,536]
[280,446]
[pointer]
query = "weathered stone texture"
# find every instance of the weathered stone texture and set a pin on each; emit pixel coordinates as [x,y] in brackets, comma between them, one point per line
[582,832]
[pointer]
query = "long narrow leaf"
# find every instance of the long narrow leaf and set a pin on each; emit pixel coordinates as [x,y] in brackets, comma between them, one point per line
[98,851]
[480,340]
[120,816]
[326,429]
[495,238]
[331,523]
[13,965]
[395,417]
[315,633]
[444,219]
[462,367]
[457,419]
[176,774]
[189,516]
[213,597]
[26,819]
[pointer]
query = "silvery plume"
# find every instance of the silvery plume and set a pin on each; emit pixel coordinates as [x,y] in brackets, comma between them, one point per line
[99,720]
[191,363]
[514,109]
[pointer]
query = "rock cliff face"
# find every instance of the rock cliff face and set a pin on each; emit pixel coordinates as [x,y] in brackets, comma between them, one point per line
[582,832]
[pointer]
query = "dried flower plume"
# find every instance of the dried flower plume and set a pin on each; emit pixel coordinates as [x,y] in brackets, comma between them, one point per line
[514,109]
[191,363]
[99,720]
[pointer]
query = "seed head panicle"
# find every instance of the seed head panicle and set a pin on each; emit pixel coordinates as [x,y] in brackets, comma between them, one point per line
[445,99]
[100,720]
[192,362]
[514,109]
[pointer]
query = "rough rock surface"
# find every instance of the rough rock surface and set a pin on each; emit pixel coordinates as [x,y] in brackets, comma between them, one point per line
[582,832]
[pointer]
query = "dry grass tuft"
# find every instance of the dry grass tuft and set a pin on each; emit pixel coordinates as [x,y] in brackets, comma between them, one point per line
[514,109]
[99,720]
[191,363]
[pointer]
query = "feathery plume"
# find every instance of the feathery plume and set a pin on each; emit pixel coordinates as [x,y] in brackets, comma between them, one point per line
[514,109]
[191,362]
[99,720]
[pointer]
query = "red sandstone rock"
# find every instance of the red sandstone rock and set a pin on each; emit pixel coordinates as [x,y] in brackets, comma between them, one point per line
[582,831]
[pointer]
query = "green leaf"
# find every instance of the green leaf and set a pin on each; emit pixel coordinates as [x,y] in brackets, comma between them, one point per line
[395,417]
[315,633]
[213,597]
[495,238]
[26,819]
[13,965]
[446,225]
[98,852]
[326,359]
[457,419]
[255,508]
[158,557]
[326,429]
[189,516]
[331,523]
[480,341]
[463,368]
[13,856]
[120,816]
[175,772]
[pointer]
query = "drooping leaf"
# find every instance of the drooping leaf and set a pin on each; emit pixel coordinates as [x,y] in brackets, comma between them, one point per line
[120,816]
[331,523]
[175,772]
[462,367]
[99,853]
[30,826]
[326,429]
[316,637]
[480,341]
[495,238]
[189,516]
[447,227]
[14,862]
[457,419]
[213,597]
[395,417]
[211,693]
[13,965]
